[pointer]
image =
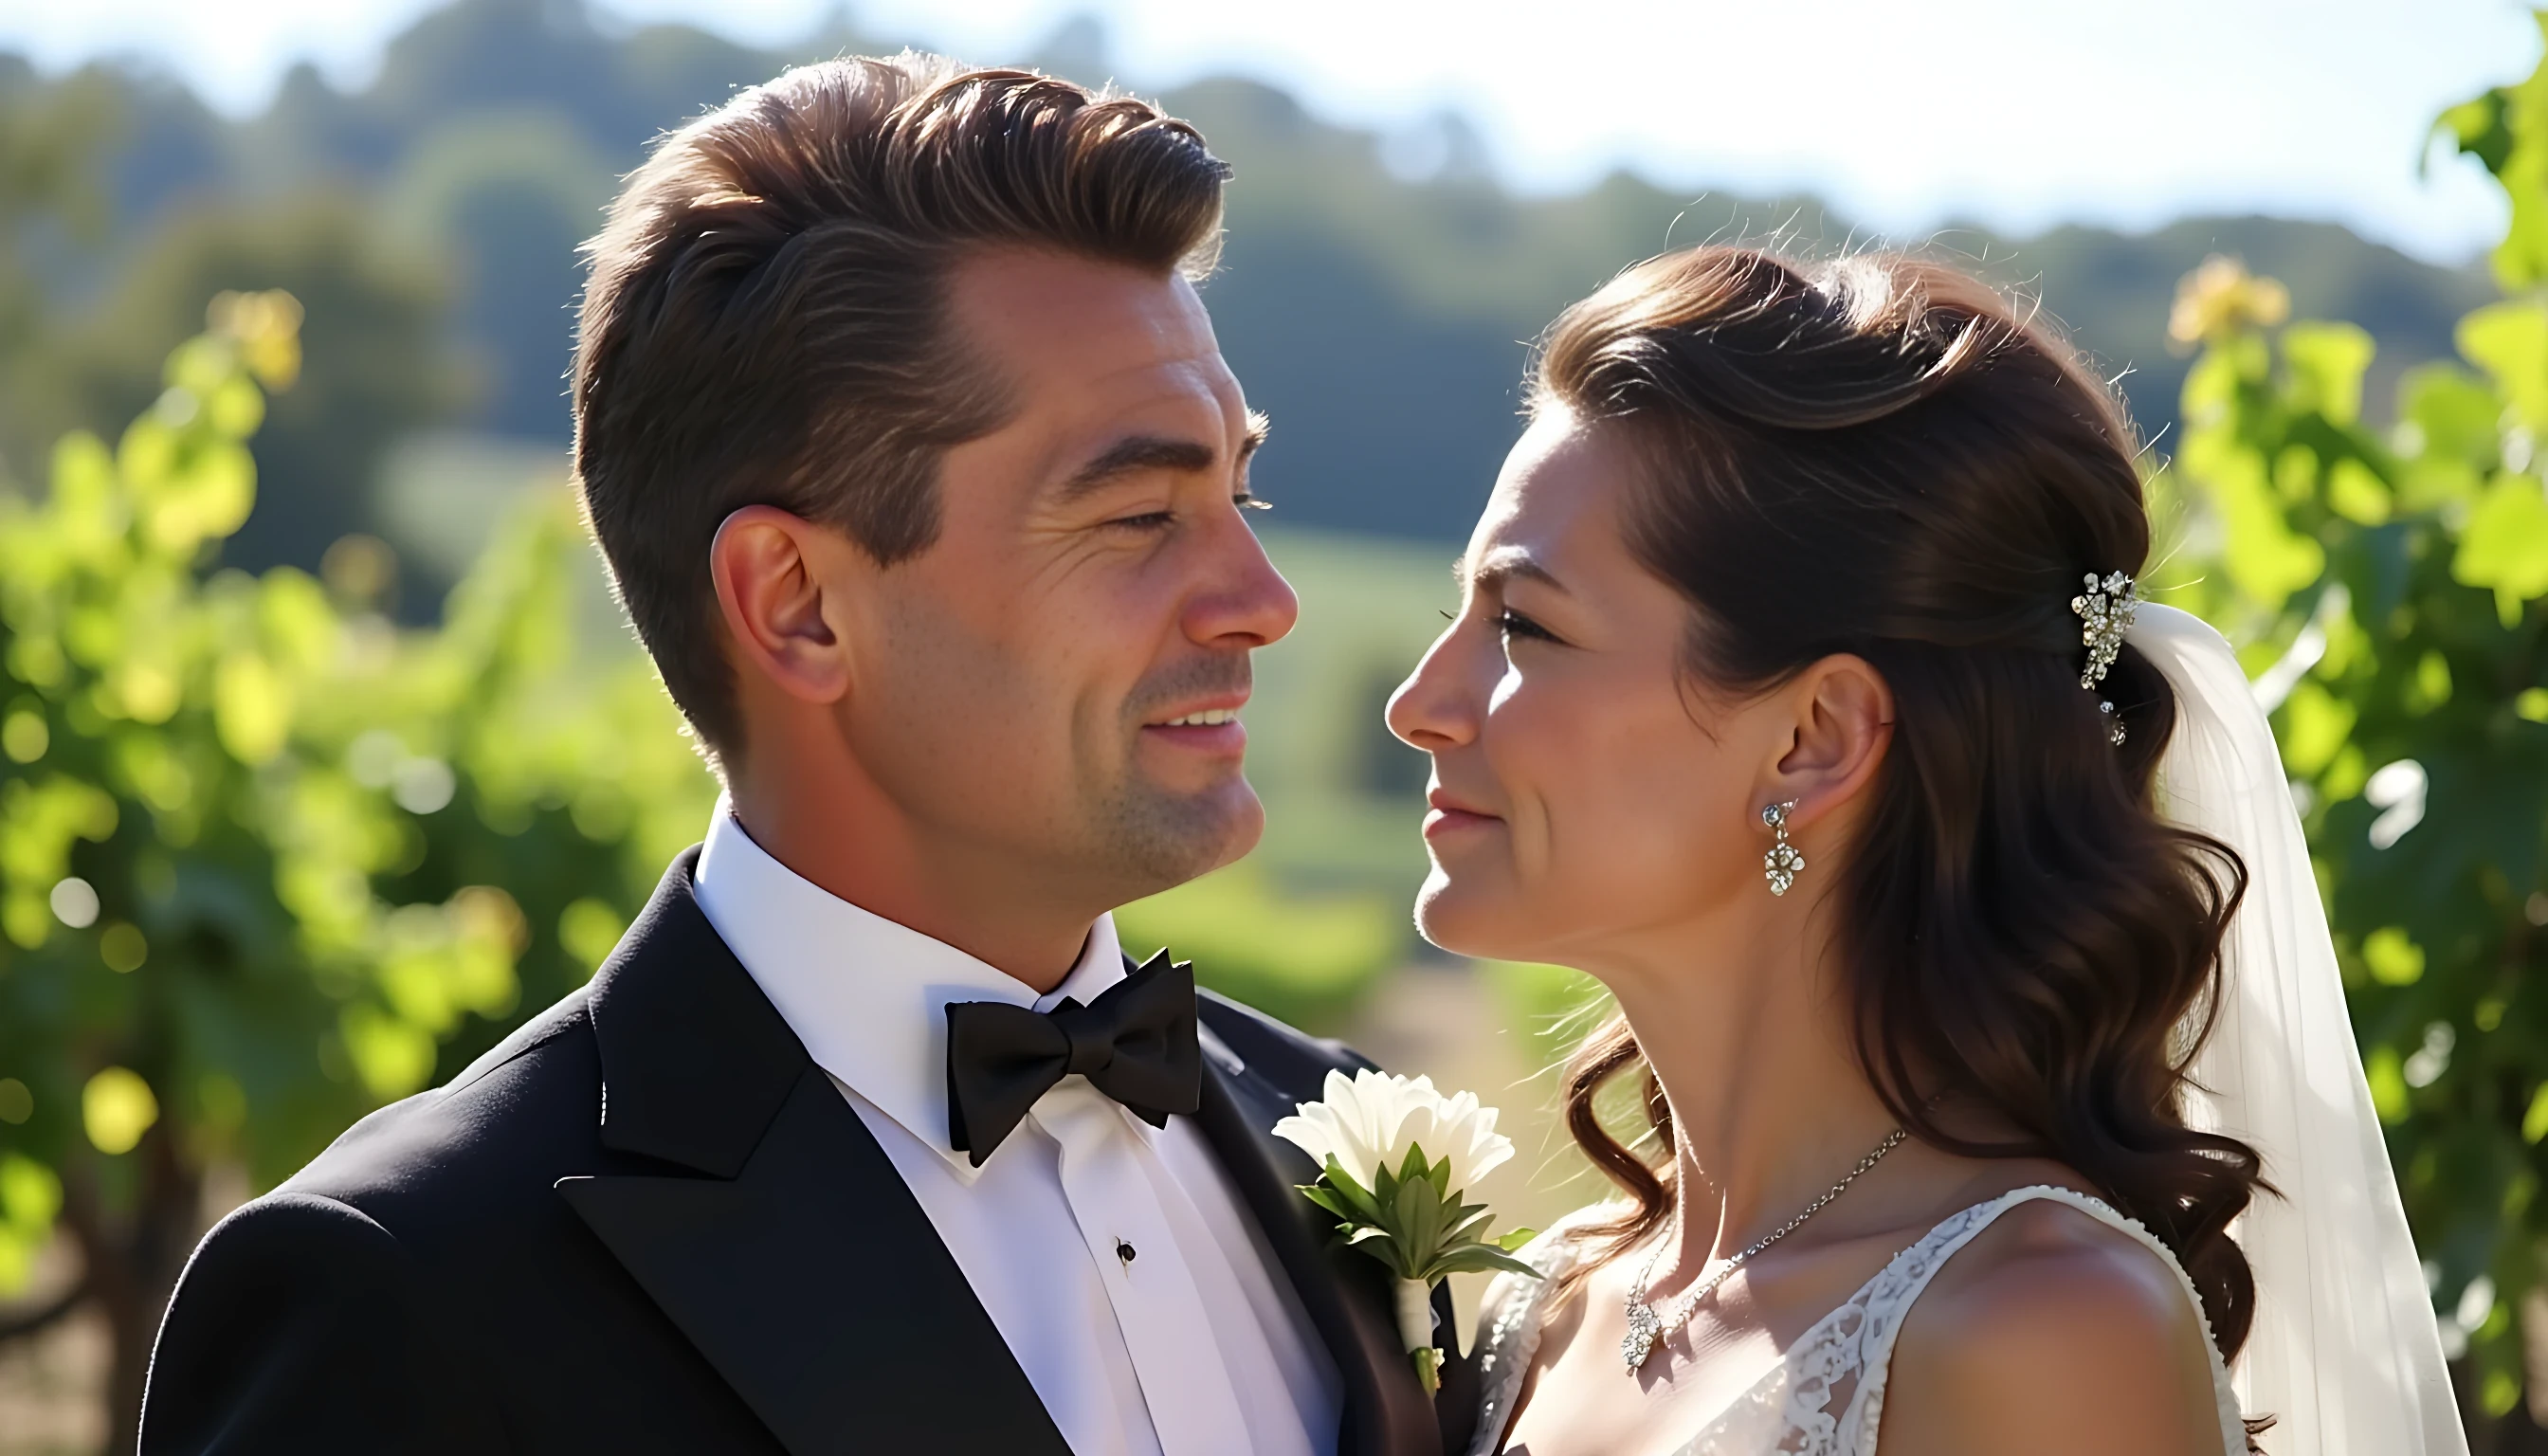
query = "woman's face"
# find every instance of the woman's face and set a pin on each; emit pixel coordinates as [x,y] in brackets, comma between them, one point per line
[1584,793]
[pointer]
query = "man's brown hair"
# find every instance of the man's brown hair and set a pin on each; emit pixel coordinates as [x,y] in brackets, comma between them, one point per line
[767,319]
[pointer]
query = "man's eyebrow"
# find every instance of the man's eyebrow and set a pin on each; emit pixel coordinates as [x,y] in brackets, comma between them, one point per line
[1501,566]
[1134,454]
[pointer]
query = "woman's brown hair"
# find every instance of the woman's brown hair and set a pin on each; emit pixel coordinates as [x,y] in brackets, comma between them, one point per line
[1879,456]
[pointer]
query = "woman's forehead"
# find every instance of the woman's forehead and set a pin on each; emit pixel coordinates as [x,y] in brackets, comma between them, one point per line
[1554,503]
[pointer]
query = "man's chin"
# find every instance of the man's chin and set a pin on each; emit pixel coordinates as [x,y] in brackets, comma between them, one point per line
[1176,838]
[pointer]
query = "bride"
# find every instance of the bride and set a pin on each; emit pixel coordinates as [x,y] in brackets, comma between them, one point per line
[1977,1013]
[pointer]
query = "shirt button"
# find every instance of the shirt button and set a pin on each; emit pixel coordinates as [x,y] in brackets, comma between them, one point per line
[1125,1251]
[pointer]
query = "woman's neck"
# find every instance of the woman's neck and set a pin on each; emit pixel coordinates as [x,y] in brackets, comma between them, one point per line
[1739,1021]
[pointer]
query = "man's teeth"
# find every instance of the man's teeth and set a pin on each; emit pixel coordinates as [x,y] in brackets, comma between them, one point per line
[1210,719]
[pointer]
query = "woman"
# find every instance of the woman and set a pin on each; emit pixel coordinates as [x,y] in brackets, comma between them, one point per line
[1777,703]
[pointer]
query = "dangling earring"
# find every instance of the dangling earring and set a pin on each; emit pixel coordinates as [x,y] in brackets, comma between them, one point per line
[1782,863]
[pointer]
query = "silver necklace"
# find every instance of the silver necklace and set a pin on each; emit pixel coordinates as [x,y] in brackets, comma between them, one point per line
[1648,1325]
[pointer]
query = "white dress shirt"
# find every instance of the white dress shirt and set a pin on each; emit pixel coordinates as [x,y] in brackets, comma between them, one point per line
[1194,1346]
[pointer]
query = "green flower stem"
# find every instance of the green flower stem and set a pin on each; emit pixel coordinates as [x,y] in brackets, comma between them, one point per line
[1413,1221]
[1415,1313]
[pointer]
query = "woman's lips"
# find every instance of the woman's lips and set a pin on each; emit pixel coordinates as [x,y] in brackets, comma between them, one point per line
[1444,823]
[1449,816]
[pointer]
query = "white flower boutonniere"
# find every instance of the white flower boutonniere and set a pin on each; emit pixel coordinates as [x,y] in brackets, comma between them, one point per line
[1398,1156]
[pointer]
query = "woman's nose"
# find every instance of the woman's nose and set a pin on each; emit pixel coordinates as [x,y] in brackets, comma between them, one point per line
[1429,709]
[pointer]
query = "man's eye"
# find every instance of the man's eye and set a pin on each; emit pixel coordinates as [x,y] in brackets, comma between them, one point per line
[1148,520]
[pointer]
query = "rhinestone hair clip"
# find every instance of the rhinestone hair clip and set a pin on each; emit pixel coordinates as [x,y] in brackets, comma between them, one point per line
[2106,610]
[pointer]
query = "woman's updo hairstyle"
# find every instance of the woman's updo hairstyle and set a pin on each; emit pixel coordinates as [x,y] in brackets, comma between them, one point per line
[1879,456]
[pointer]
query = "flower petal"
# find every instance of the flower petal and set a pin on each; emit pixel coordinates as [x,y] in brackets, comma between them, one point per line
[1368,1120]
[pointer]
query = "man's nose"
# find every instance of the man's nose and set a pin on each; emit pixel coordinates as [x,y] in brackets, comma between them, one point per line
[1247,603]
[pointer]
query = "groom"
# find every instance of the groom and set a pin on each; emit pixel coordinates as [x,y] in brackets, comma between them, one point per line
[920,472]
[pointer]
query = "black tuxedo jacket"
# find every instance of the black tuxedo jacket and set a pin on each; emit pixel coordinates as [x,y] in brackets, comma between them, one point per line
[647,1222]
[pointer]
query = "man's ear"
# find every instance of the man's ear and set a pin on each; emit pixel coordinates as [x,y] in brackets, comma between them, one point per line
[1843,725]
[775,580]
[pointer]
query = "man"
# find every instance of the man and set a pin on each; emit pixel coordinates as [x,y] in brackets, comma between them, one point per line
[920,472]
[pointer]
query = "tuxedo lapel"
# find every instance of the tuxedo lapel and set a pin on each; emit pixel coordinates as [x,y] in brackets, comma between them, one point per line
[790,1252]
[817,1288]
[1346,1295]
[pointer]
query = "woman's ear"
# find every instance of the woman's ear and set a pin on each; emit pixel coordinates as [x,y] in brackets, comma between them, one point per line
[1843,724]
[769,569]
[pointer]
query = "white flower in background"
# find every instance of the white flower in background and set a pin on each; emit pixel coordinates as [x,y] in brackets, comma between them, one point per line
[1368,1123]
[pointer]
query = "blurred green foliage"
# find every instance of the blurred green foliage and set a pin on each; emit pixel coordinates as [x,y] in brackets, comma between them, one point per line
[51,209]
[1344,794]
[1306,958]
[1378,290]
[2392,583]
[378,364]
[1551,1004]
[266,860]
[92,298]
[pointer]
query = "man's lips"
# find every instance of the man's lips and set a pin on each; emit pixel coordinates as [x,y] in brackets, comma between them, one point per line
[1200,712]
[1208,725]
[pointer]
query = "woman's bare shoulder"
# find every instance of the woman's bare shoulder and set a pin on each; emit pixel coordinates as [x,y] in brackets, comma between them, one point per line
[2052,1330]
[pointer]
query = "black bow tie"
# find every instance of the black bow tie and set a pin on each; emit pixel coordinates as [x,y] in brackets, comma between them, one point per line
[1135,1042]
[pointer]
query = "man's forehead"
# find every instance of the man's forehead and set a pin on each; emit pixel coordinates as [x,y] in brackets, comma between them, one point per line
[1035,309]
[1095,358]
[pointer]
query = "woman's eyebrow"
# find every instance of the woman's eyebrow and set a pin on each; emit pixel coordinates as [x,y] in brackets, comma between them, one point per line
[1503,565]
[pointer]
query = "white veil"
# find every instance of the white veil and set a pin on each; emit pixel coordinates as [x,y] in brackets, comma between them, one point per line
[2346,1353]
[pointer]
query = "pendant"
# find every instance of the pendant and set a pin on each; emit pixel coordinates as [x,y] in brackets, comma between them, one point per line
[1644,1329]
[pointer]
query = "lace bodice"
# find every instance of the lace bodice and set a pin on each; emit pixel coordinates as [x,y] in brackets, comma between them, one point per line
[1844,1357]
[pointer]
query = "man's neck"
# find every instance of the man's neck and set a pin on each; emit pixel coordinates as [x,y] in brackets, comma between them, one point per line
[996,911]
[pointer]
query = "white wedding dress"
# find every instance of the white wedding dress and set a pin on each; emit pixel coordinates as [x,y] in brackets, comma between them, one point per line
[1826,1395]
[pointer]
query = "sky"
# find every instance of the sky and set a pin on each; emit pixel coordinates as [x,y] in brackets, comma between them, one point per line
[1904,114]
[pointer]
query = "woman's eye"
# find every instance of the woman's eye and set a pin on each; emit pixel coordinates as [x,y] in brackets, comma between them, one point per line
[1513,624]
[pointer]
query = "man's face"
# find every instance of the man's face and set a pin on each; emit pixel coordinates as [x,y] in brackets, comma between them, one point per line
[1054,683]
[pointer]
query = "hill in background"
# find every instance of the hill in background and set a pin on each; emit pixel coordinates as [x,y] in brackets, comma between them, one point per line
[1376,296]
